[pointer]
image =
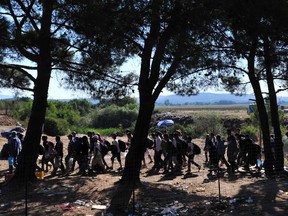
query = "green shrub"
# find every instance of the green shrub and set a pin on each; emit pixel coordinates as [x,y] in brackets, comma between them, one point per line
[202,124]
[114,117]
[251,130]
[102,131]
[63,110]
[207,123]
[21,110]
[55,126]
[82,106]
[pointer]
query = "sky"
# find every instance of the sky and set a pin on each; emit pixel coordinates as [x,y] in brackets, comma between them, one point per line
[57,92]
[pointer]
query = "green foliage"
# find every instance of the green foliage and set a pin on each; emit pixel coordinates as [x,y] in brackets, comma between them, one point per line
[5,105]
[2,104]
[21,109]
[114,116]
[82,106]
[254,116]
[101,131]
[63,110]
[62,117]
[203,123]
[251,130]
[123,102]
[55,127]
[208,123]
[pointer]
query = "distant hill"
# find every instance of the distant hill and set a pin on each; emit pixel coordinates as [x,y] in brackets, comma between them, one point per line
[209,99]
[200,99]
[5,97]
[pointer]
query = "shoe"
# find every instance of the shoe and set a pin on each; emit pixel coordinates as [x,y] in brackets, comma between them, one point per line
[189,171]
[199,168]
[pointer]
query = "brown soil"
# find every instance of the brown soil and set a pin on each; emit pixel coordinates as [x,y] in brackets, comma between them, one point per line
[6,121]
[159,194]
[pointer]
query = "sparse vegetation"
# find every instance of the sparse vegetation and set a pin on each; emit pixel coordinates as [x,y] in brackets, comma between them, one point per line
[106,117]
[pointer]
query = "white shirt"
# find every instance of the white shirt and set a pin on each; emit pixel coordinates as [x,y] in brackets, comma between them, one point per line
[158,142]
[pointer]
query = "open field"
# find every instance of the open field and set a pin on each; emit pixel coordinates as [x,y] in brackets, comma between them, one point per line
[232,111]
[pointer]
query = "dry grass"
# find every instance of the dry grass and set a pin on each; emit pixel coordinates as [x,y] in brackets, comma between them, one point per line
[229,111]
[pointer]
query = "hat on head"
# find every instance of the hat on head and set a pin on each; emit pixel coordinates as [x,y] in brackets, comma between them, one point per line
[178,131]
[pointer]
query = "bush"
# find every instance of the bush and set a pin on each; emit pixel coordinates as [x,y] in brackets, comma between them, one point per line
[207,123]
[251,130]
[102,131]
[113,117]
[21,110]
[202,124]
[55,127]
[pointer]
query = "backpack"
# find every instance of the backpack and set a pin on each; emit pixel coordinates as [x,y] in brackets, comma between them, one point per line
[4,154]
[122,145]
[182,145]
[149,143]
[41,150]
[196,149]
[105,147]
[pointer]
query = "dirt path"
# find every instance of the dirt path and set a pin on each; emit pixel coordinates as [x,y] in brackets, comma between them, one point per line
[159,194]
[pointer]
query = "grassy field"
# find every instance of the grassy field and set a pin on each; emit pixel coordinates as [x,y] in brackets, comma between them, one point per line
[229,111]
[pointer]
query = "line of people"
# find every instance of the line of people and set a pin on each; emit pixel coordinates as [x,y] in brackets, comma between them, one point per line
[174,151]
[240,151]
[87,151]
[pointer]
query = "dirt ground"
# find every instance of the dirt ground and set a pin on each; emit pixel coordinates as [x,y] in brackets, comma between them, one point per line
[199,193]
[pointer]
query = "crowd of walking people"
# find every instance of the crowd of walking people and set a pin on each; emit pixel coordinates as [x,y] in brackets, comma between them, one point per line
[170,153]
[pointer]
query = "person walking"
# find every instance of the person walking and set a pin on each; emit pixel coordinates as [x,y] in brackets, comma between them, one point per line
[170,161]
[49,153]
[158,162]
[232,150]
[221,149]
[70,154]
[58,156]
[191,155]
[116,153]
[84,155]
[13,147]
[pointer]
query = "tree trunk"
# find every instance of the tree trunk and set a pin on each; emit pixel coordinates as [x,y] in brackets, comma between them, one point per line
[133,161]
[279,156]
[263,116]
[28,157]
[150,86]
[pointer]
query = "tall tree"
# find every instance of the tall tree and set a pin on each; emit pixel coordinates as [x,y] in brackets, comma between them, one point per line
[32,40]
[40,41]
[274,37]
[169,37]
[251,32]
